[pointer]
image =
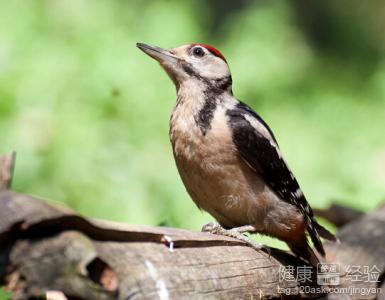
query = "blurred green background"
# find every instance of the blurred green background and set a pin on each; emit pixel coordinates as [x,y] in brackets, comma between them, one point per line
[87,112]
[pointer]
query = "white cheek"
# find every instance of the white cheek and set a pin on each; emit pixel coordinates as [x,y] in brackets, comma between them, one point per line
[214,69]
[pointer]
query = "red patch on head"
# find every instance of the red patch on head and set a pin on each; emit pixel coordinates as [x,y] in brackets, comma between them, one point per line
[213,50]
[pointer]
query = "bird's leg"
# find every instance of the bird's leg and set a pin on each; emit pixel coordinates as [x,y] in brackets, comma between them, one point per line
[236,232]
[245,228]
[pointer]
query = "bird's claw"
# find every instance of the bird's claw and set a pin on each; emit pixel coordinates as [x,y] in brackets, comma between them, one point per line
[212,227]
[215,228]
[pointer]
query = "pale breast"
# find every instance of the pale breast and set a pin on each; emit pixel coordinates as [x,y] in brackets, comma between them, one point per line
[215,176]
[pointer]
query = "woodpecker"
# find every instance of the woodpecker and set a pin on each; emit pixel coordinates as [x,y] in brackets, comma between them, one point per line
[228,158]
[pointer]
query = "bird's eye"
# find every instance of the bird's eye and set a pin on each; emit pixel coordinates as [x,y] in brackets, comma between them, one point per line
[198,52]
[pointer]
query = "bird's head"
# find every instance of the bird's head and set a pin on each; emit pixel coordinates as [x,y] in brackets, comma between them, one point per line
[192,62]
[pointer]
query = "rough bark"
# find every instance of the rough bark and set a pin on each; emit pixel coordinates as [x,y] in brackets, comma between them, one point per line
[45,247]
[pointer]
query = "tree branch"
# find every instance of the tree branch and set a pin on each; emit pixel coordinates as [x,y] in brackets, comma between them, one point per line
[7,163]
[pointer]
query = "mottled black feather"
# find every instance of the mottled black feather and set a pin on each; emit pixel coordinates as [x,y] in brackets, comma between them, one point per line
[212,96]
[264,157]
[244,108]
[204,117]
[223,84]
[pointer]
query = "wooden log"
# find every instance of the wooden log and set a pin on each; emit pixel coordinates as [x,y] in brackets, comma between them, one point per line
[48,248]
[45,247]
[339,215]
[360,253]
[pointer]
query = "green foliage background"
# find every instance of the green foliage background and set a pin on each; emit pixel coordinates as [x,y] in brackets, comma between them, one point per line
[5,295]
[87,112]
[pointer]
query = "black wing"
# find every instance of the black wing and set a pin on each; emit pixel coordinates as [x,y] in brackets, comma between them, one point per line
[263,155]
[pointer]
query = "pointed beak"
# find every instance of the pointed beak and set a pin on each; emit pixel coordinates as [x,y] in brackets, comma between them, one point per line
[163,56]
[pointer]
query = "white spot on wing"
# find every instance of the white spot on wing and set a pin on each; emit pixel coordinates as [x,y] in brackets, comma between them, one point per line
[298,193]
[260,128]
[160,284]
